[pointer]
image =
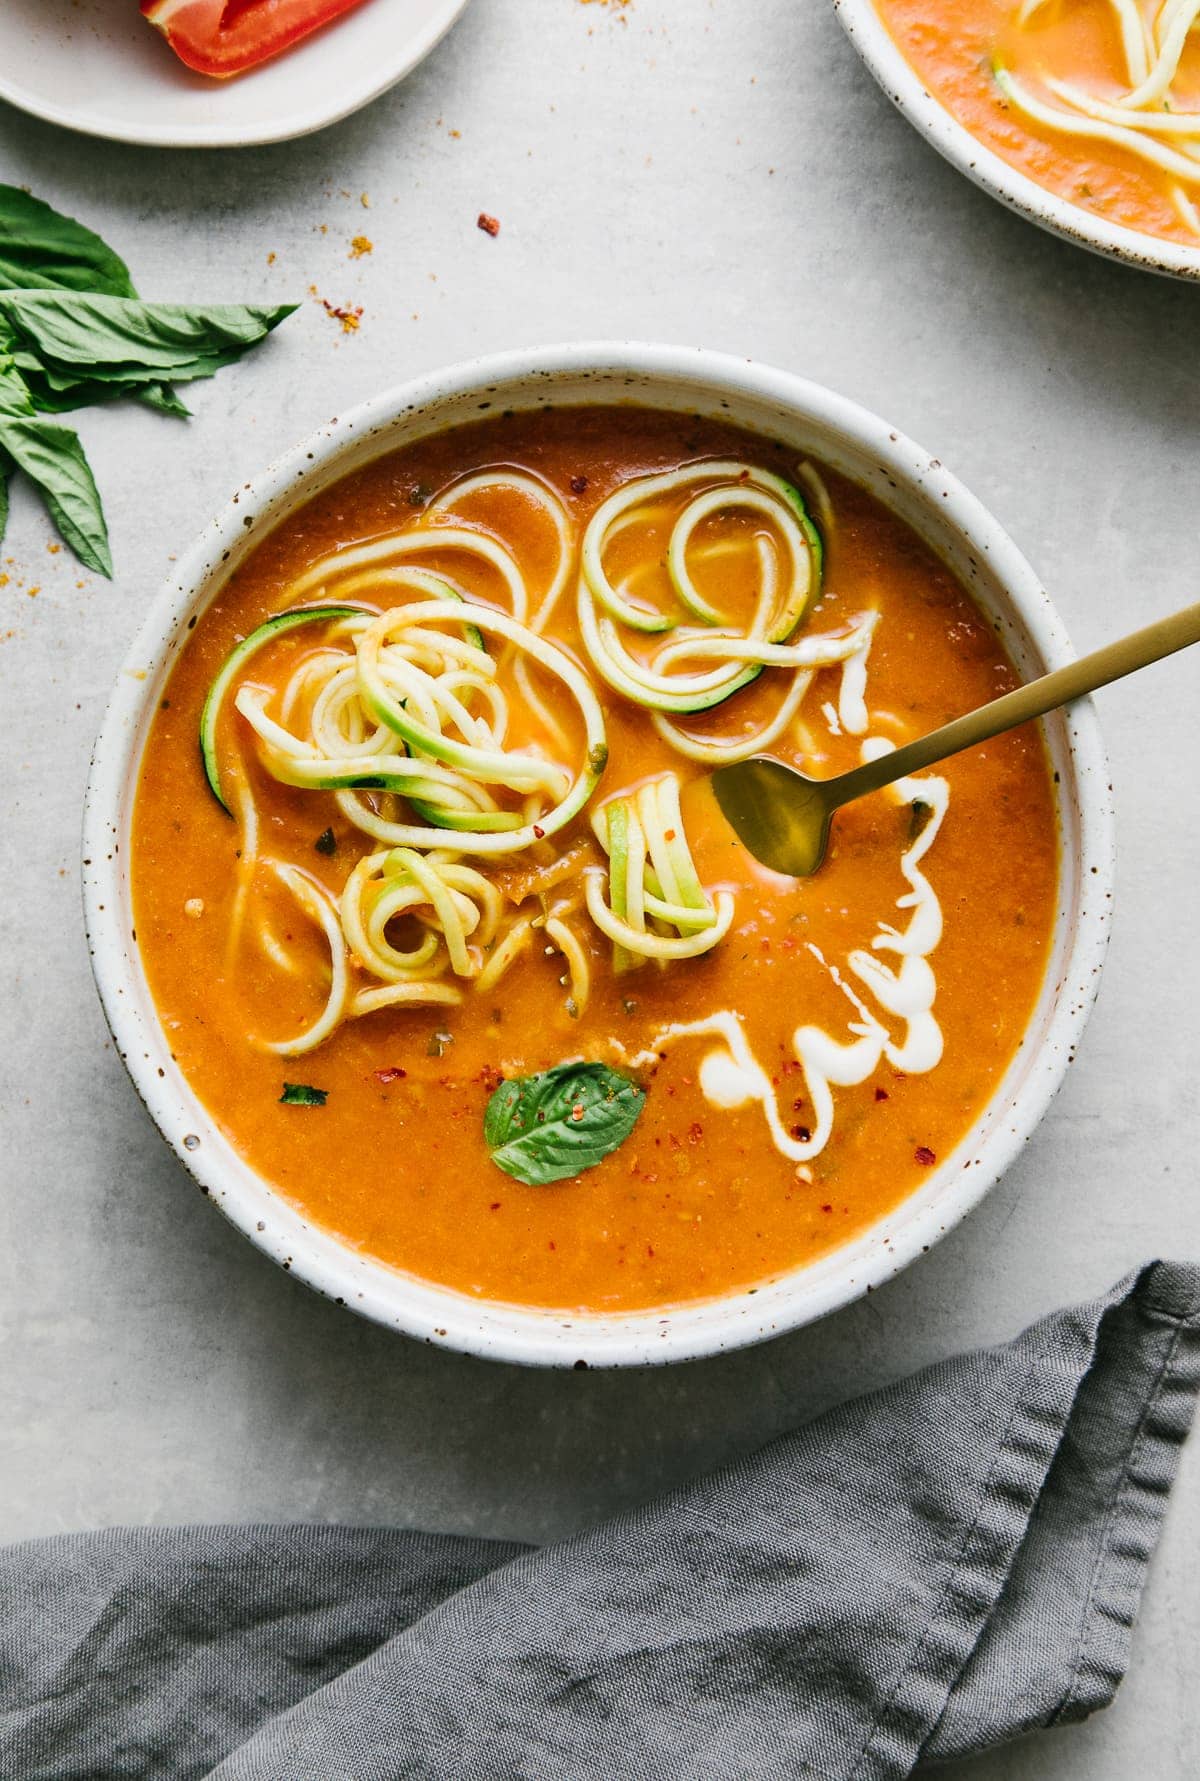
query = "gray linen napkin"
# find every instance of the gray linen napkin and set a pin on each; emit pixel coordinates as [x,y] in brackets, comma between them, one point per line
[918,1575]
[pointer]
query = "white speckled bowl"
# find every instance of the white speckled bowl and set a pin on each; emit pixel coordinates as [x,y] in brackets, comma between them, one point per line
[908,92]
[811,420]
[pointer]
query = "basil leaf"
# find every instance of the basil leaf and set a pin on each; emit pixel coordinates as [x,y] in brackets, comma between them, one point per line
[162,397]
[53,458]
[100,338]
[52,393]
[42,249]
[544,1128]
[300,1094]
[5,468]
[14,396]
[109,382]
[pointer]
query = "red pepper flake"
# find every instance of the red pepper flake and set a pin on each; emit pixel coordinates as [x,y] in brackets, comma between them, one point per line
[801,1134]
[827,1208]
[489,224]
[925,1156]
[539,832]
[881,1094]
[495,1205]
[578,1111]
[695,1132]
[578,485]
[391,1073]
[349,317]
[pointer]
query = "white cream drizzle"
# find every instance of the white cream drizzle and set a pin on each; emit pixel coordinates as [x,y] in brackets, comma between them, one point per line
[730,1075]
[852,694]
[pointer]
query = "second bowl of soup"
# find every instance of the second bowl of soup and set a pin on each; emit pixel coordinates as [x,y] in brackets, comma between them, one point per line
[1084,115]
[417,923]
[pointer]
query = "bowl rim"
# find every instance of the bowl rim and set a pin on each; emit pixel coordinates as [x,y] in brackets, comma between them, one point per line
[453,1319]
[988,170]
[379,76]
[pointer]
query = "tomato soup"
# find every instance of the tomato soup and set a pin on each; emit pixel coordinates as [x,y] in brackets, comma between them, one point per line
[443,922]
[1096,100]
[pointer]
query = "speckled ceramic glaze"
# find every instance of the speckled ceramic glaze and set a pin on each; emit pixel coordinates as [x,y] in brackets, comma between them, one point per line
[810,420]
[905,88]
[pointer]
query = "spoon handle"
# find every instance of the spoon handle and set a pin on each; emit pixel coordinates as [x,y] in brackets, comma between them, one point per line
[1125,656]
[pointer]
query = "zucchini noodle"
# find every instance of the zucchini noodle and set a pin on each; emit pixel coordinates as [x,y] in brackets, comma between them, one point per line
[565,940]
[656,906]
[1153,49]
[316,903]
[543,496]
[417,710]
[789,559]
[332,571]
[815,486]
[403,708]
[454,911]
[850,652]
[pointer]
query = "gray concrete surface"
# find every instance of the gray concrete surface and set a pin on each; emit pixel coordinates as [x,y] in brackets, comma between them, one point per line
[707,171]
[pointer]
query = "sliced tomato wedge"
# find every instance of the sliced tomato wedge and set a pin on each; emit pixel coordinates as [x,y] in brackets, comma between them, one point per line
[224,37]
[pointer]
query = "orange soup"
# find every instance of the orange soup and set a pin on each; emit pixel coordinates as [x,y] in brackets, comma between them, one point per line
[442,919]
[1096,100]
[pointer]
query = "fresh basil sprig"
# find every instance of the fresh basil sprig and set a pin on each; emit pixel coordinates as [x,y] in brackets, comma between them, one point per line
[73,331]
[547,1127]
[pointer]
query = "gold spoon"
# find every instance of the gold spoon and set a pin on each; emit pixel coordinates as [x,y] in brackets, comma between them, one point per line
[782,817]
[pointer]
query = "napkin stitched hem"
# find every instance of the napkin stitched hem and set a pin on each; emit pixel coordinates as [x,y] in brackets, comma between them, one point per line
[948,1637]
[1137,1507]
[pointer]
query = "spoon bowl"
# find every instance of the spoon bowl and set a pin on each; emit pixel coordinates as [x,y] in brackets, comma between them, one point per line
[779,815]
[782,817]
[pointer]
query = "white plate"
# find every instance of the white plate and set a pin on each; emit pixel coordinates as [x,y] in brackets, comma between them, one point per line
[908,92]
[97,66]
[812,421]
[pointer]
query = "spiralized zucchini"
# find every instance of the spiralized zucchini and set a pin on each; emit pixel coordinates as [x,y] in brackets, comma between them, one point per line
[656,906]
[418,710]
[663,682]
[399,697]
[454,909]
[849,652]
[342,1002]
[1145,121]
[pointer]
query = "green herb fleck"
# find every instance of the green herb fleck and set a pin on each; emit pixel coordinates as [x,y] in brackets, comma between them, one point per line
[300,1094]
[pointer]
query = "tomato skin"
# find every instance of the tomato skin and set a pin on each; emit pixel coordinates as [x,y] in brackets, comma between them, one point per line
[225,37]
